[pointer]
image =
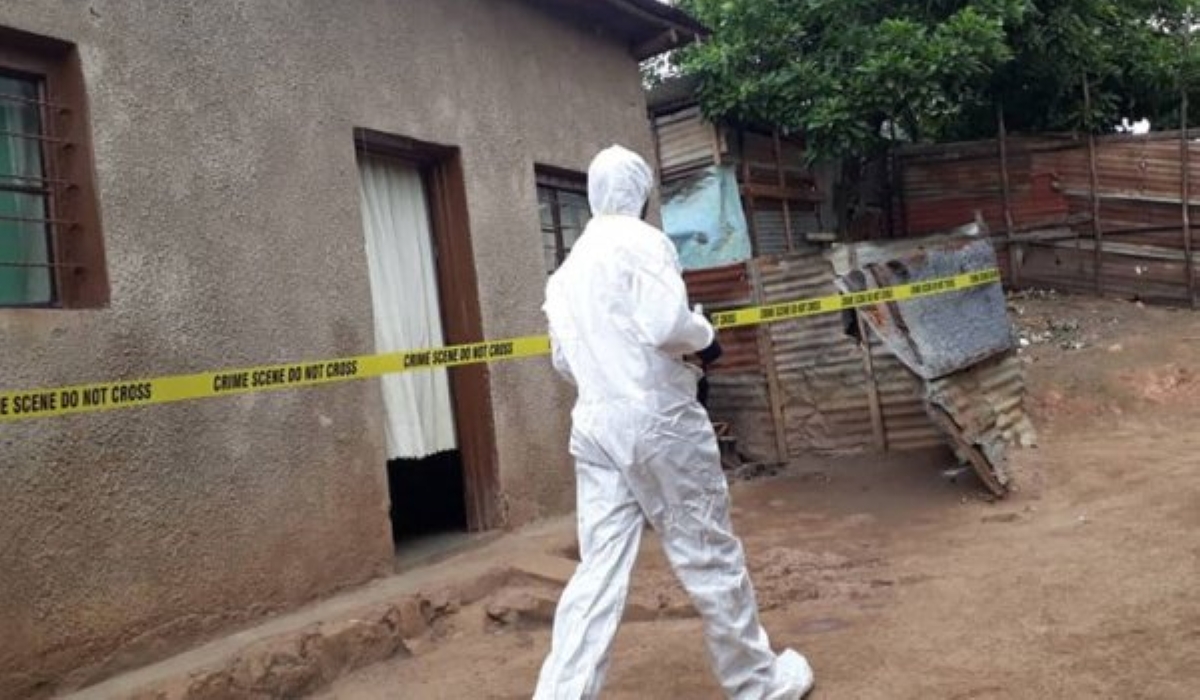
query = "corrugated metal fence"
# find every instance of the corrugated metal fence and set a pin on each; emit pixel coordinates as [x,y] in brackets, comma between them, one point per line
[804,386]
[1125,236]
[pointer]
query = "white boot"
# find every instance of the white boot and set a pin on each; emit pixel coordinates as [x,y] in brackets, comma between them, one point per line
[794,677]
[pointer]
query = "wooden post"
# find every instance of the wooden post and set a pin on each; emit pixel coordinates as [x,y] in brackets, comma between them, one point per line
[716,144]
[1185,149]
[755,247]
[782,182]
[1014,262]
[873,403]
[877,424]
[889,178]
[896,188]
[1186,199]
[766,349]
[1097,236]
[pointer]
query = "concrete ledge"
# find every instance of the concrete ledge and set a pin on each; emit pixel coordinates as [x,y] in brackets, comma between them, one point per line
[302,652]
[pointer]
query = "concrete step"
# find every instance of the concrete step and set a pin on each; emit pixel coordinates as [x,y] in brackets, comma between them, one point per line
[300,653]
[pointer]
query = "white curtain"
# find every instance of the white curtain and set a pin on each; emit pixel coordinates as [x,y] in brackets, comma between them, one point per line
[420,420]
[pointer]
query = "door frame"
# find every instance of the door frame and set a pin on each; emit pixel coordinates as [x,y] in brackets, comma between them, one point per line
[458,299]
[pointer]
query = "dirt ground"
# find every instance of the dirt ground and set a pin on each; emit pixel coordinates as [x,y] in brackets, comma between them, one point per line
[900,582]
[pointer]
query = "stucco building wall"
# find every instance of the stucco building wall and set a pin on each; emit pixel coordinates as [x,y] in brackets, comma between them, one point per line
[229,197]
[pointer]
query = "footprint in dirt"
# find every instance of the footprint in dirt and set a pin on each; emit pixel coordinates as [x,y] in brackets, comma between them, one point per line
[821,625]
[1001,518]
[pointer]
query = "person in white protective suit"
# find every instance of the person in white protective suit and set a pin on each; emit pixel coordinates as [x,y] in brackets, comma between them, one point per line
[645,450]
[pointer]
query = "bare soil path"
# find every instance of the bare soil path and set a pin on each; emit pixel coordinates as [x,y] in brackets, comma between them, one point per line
[899,582]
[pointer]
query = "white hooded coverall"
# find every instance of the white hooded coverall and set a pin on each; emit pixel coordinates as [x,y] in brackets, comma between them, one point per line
[644,450]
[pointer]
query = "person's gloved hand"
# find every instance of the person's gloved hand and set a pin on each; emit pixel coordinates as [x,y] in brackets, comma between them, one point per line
[710,354]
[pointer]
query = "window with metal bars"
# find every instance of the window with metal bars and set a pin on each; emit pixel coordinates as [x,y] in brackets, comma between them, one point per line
[51,255]
[563,208]
[25,249]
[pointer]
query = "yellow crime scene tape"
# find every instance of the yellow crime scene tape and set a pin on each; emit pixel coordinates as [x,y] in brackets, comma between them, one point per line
[130,393]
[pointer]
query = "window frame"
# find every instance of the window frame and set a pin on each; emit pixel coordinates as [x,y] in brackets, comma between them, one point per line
[557,180]
[78,269]
[43,190]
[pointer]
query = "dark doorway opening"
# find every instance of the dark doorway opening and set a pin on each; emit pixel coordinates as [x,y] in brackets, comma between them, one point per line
[427,496]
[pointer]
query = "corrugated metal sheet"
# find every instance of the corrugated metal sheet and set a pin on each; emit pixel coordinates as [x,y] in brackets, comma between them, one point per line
[738,387]
[728,287]
[743,401]
[938,335]
[823,385]
[719,287]
[1151,274]
[983,409]
[906,423]
[941,192]
[821,371]
[770,231]
[1140,202]
[975,403]
[686,142]
[758,153]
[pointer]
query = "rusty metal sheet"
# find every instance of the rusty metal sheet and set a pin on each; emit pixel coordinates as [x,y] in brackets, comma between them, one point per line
[937,335]
[1139,182]
[906,423]
[686,142]
[823,381]
[1155,274]
[821,372]
[721,288]
[728,285]
[950,374]
[741,400]
[982,410]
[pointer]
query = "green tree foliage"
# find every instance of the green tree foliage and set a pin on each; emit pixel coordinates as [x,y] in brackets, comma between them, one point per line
[1127,51]
[848,72]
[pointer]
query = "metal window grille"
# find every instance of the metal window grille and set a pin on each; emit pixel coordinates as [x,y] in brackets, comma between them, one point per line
[30,233]
[564,212]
